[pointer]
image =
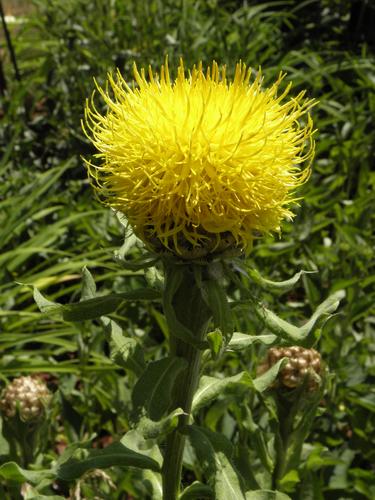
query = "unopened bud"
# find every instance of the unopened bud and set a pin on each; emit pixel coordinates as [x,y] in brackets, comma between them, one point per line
[301,363]
[27,395]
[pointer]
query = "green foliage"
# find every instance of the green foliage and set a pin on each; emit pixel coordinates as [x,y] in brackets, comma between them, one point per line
[102,367]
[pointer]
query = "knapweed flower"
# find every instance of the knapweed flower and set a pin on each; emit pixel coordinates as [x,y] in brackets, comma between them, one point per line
[28,396]
[302,364]
[200,163]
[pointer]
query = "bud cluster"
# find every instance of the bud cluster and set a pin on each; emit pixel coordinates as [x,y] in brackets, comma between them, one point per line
[28,395]
[301,363]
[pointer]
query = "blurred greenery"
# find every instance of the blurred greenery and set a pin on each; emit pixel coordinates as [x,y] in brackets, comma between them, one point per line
[51,227]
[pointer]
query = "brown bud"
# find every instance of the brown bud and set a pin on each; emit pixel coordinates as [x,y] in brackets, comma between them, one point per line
[28,395]
[301,363]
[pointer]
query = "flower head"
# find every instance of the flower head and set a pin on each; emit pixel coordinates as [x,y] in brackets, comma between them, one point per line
[302,363]
[200,163]
[27,395]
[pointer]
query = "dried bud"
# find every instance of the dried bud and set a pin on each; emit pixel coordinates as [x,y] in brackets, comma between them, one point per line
[27,394]
[302,363]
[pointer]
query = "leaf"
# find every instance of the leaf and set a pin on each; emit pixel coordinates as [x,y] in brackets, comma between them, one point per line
[104,305]
[211,387]
[266,495]
[154,430]
[290,480]
[241,341]
[13,472]
[154,478]
[116,454]
[293,333]
[280,286]
[125,351]
[45,305]
[154,277]
[31,493]
[217,300]
[214,451]
[88,285]
[216,343]
[268,378]
[197,491]
[257,440]
[153,390]
[130,239]
[173,281]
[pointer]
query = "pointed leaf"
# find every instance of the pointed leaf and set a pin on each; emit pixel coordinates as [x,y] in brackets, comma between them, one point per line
[214,451]
[173,282]
[281,286]
[266,495]
[153,391]
[13,472]
[268,378]
[241,341]
[45,305]
[116,454]
[216,343]
[293,333]
[104,305]
[154,430]
[218,302]
[137,443]
[154,479]
[197,491]
[211,388]
[125,351]
[88,285]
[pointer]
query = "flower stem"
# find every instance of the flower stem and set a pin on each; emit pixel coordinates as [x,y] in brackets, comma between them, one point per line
[193,313]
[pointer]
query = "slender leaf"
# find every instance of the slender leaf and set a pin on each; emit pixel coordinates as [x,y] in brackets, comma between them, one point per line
[153,391]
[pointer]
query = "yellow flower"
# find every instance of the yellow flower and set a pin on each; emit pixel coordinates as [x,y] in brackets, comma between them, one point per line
[200,163]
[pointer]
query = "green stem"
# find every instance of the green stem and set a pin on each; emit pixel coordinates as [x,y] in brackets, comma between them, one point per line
[287,412]
[192,312]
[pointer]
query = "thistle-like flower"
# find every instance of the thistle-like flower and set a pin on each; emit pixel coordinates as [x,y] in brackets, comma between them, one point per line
[200,164]
[27,395]
[302,363]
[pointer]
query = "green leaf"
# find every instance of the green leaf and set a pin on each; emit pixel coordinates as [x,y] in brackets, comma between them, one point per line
[307,407]
[104,305]
[130,238]
[173,280]
[197,491]
[217,301]
[241,341]
[214,452]
[266,495]
[257,440]
[154,277]
[268,378]
[211,388]
[155,480]
[88,285]
[125,351]
[216,343]
[45,305]
[290,479]
[293,333]
[154,430]
[32,494]
[153,390]
[116,454]
[13,472]
[280,286]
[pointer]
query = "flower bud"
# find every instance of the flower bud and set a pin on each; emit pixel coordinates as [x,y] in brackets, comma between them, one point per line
[28,395]
[301,363]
